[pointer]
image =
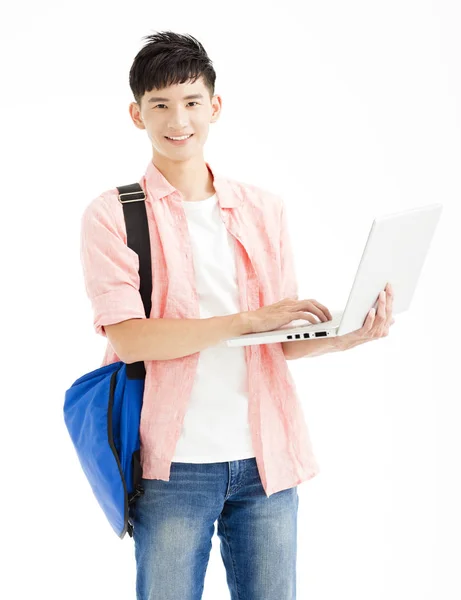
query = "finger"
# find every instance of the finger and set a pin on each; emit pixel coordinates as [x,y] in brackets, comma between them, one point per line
[311,307]
[324,310]
[376,329]
[369,321]
[380,318]
[389,303]
[382,306]
[382,321]
[306,316]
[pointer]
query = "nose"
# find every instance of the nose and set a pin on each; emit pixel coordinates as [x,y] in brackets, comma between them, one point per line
[178,122]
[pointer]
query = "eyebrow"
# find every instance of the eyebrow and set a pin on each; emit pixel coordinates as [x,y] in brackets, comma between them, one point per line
[189,97]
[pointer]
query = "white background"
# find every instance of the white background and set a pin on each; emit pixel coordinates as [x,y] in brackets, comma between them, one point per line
[349,110]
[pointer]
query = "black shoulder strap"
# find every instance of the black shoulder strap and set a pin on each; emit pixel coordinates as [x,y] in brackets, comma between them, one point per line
[132,197]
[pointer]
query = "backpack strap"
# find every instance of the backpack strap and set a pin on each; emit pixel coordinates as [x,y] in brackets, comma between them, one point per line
[132,198]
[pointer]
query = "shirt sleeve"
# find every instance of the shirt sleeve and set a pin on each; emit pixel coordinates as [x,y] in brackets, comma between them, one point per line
[289,278]
[110,268]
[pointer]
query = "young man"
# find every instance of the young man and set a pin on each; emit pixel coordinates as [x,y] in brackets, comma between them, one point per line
[223,437]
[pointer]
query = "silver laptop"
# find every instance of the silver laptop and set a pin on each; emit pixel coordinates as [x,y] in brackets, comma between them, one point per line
[395,252]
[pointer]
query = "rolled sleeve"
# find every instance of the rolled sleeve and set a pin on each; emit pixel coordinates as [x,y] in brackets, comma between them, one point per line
[110,267]
[289,280]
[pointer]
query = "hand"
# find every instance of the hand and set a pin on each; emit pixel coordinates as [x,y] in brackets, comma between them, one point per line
[283,312]
[375,326]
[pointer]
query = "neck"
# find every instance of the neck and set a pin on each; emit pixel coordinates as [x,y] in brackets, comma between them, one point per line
[191,177]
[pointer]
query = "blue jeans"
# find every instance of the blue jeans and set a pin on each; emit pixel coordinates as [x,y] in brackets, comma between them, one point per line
[174,522]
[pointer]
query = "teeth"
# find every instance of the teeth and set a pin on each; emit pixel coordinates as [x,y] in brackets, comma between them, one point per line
[184,137]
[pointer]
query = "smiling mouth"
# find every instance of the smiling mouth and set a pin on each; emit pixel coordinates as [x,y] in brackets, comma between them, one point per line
[183,140]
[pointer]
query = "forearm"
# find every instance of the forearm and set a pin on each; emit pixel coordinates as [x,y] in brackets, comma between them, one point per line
[166,339]
[315,347]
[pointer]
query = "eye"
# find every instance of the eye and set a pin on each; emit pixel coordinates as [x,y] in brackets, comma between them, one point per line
[165,104]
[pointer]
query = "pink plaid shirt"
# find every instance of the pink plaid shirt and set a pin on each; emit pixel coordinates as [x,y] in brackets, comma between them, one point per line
[266,274]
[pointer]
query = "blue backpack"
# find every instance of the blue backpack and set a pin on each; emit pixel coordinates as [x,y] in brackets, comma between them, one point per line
[102,409]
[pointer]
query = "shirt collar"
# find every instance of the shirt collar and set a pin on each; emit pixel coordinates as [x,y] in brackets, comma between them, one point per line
[158,187]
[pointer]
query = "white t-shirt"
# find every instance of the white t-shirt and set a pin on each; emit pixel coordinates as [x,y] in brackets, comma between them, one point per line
[216,427]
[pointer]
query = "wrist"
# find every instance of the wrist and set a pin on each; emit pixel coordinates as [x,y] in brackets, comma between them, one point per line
[241,323]
[339,342]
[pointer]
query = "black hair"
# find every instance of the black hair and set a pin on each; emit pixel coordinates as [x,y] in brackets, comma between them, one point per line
[170,58]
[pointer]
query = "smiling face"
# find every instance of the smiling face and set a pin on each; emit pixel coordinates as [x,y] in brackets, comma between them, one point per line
[174,111]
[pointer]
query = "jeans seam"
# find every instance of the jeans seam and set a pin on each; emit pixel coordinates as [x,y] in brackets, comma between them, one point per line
[232,558]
